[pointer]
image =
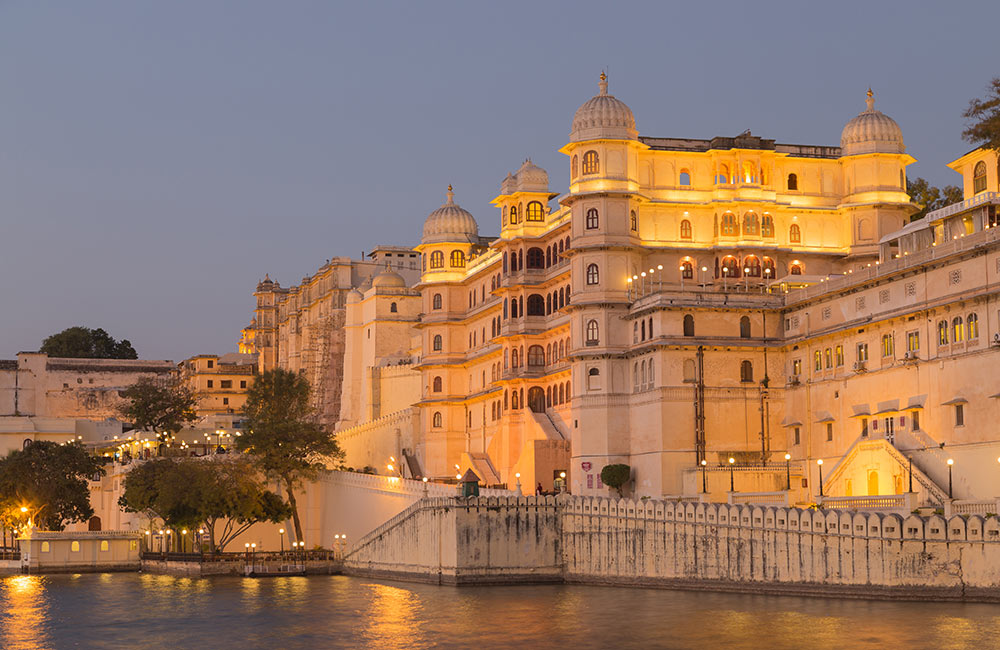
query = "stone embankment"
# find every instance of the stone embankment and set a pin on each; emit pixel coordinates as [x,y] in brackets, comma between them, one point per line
[686,545]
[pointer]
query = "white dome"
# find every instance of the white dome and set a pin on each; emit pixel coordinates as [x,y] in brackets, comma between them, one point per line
[871,132]
[389,278]
[603,116]
[450,223]
[531,178]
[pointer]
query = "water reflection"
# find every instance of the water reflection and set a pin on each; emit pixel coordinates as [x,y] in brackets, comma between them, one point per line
[23,613]
[391,619]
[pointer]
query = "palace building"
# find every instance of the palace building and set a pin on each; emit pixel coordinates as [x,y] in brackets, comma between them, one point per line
[692,308]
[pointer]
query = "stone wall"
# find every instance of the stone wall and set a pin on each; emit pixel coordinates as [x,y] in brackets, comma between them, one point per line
[697,546]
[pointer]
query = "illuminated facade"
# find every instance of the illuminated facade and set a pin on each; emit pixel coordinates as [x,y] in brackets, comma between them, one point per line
[219,383]
[689,300]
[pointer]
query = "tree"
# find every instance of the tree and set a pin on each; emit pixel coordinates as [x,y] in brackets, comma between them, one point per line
[282,435]
[187,493]
[930,198]
[50,479]
[984,129]
[85,343]
[160,405]
[616,476]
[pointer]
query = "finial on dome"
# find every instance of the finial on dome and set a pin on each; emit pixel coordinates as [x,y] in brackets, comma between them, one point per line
[603,83]
[267,277]
[451,196]
[870,99]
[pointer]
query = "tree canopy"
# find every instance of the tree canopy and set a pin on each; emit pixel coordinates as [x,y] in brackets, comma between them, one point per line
[930,198]
[85,343]
[983,128]
[282,435]
[50,479]
[188,493]
[160,405]
[616,476]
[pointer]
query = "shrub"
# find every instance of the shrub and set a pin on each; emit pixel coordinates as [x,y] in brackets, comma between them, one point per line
[616,476]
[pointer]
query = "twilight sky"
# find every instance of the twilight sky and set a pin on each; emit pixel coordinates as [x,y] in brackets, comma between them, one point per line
[156,159]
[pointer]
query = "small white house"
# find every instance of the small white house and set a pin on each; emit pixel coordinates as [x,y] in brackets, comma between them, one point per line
[72,552]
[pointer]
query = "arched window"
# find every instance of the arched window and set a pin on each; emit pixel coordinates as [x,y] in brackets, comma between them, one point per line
[972,326]
[513,215]
[593,274]
[795,268]
[574,166]
[749,173]
[514,308]
[514,401]
[437,343]
[437,420]
[767,226]
[536,355]
[746,371]
[957,330]
[751,266]
[457,259]
[768,268]
[437,385]
[828,358]
[729,225]
[590,163]
[634,221]
[745,327]
[593,379]
[642,331]
[535,305]
[751,224]
[504,215]
[593,333]
[560,349]
[730,267]
[793,182]
[817,360]
[723,176]
[795,234]
[688,325]
[535,212]
[979,177]
[505,262]
[392,308]
[548,256]
[687,270]
[943,332]
[562,393]
[536,258]
[649,374]
[515,358]
[685,229]
[593,220]
[437,260]
[685,178]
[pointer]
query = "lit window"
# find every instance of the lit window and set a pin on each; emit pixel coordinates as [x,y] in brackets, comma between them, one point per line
[943,332]
[888,345]
[685,229]
[513,215]
[74,547]
[839,354]
[862,352]
[795,269]
[723,176]
[593,333]
[797,367]
[457,259]
[104,545]
[979,177]
[795,233]
[957,330]
[437,260]
[590,163]
[817,361]
[729,225]
[593,275]
[751,266]
[912,341]
[535,212]
[828,358]
[593,219]
[767,226]
[45,547]
[972,326]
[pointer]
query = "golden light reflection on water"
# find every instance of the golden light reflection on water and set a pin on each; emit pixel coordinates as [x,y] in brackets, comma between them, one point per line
[24,613]
[392,619]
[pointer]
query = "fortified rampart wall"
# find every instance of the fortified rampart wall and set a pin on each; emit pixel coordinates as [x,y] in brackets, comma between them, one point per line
[699,546]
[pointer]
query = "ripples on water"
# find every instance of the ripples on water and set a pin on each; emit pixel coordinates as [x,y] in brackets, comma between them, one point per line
[148,611]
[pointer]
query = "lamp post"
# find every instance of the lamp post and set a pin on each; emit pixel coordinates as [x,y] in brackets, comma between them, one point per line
[281,536]
[659,267]
[682,277]
[704,270]
[704,481]
[788,472]
[517,488]
[643,275]
[725,278]
[732,476]
[629,282]
[184,533]
[819,461]
[767,278]
[910,472]
[951,462]
[746,279]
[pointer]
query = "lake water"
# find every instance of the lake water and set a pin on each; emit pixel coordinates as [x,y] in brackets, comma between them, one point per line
[148,611]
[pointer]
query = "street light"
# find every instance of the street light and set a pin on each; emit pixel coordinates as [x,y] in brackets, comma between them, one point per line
[281,536]
[725,278]
[704,480]
[732,478]
[819,461]
[788,472]
[746,278]
[951,461]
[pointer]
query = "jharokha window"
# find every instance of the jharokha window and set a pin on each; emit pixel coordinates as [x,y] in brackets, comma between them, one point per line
[593,274]
[458,259]
[729,225]
[767,226]
[685,229]
[513,215]
[535,212]
[979,177]
[634,221]
[437,260]
[593,333]
[593,219]
[795,234]
[751,224]
[590,163]
[573,167]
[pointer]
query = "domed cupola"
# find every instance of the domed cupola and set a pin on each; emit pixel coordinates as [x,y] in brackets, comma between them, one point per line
[389,279]
[603,116]
[531,178]
[450,223]
[871,132]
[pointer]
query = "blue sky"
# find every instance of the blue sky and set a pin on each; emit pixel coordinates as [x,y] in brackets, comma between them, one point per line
[158,158]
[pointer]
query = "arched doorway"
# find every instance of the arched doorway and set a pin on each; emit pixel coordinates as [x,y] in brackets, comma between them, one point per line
[536,399]
[873,483]
[94,524]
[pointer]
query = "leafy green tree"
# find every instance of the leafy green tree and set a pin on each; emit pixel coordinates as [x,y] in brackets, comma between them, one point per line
[85,343]
[931,198]
[187,493]
[984,128]
[50,479]
[282,434]
[160,405]
[616,476]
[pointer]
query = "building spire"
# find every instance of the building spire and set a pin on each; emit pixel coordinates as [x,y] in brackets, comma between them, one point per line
[451,196]
[603,83]
[870,99]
